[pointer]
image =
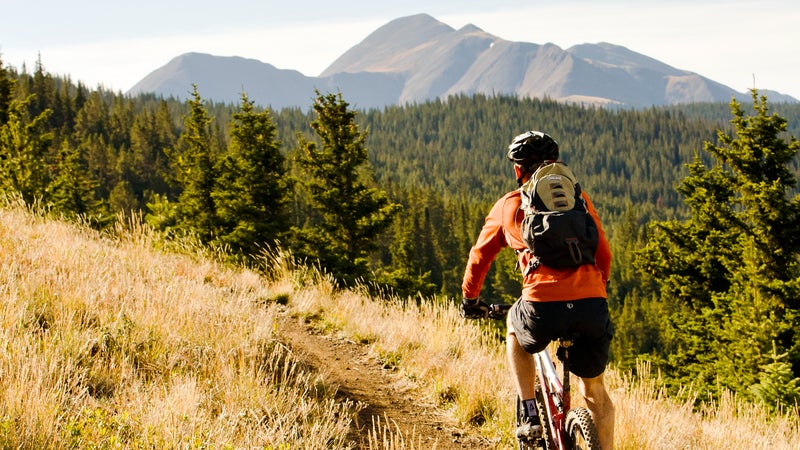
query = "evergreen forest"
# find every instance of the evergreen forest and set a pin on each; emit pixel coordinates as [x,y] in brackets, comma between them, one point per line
[700,202]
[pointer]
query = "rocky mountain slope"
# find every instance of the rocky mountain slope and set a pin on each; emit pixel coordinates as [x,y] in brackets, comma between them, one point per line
[417,58]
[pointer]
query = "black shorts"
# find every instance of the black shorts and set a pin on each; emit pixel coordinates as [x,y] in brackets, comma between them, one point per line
[585,321]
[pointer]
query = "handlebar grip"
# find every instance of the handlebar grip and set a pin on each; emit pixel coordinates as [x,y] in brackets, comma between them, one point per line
[498,310]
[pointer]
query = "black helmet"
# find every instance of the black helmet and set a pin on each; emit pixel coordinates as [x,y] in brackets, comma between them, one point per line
[531,148]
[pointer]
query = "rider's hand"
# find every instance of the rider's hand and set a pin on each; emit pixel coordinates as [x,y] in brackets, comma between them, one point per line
[474,308]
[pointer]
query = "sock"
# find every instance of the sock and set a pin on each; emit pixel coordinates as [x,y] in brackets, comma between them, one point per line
[530,409]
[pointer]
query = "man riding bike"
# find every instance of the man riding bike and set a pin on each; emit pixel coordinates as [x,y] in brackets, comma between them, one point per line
[562,302]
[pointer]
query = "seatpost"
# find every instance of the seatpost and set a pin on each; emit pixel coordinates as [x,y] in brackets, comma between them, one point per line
[565,345]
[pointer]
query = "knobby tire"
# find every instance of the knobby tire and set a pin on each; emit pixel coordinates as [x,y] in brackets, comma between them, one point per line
[581,430]
[547,441]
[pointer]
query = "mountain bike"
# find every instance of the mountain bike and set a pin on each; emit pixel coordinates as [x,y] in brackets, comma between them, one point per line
[563,427]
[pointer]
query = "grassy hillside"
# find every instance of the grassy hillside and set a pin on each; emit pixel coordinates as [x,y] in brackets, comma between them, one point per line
[108,343]
[113,342]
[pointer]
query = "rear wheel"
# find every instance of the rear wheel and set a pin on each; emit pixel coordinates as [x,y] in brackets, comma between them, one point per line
[547,442]
[581,430]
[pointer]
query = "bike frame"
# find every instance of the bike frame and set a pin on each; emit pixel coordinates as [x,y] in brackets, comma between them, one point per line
[555,394]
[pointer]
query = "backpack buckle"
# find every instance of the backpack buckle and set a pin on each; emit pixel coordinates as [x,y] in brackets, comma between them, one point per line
[533,264]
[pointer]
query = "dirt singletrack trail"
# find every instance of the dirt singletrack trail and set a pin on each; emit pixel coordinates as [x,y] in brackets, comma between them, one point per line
[386,396]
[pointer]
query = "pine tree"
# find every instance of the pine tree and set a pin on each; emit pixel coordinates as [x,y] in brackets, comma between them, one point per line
[151,133]
[122,198]
[43,90]
[405,273]
[634,306]
[23,146]
[6,89]
[72,191]
[732,271]
[194,162]
[350,213]
[251,193]
[778,388]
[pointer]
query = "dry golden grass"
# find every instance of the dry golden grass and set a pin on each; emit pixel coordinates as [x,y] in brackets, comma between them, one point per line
[108,342]
[462,366]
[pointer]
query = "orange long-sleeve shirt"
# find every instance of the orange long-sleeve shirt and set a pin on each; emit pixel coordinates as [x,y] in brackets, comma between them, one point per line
[545,284]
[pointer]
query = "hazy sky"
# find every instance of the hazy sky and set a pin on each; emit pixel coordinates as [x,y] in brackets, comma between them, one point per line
[742,44]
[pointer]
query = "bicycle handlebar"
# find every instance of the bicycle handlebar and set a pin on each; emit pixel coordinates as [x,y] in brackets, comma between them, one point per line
[498,311]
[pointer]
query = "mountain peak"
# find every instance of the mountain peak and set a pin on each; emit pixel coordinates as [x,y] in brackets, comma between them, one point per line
[469,28]
[397,36]
[418,58]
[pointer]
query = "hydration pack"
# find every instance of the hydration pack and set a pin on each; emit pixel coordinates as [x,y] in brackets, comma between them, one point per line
[557,227]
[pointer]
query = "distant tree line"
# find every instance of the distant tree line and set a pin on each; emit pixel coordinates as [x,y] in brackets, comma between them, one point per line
[701,209]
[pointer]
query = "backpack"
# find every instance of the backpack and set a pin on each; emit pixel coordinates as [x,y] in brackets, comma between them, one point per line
[557,227]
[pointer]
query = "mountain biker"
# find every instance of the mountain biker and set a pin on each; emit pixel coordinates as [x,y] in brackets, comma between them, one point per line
[554,302]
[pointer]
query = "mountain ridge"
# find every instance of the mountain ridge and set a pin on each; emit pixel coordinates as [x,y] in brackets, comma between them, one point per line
[418,58]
